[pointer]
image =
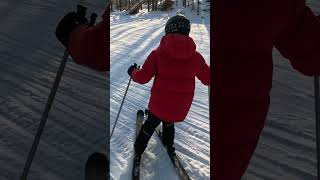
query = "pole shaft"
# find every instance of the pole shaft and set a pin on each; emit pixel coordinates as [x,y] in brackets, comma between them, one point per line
[44,116]
[124,97]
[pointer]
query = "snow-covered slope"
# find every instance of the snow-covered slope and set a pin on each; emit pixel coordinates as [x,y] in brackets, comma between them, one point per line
[132,39]
[29,59]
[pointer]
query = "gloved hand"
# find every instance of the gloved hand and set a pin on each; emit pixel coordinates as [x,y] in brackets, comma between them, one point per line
[68,23]
[131,68]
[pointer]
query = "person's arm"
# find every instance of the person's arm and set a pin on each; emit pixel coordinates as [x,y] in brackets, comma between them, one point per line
[300,41]
[204,72]
[89,45]
[147,71]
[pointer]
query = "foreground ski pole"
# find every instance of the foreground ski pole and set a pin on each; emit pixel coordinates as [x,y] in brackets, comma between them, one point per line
[81,11]
[317,115]
[124,97]
[44,116]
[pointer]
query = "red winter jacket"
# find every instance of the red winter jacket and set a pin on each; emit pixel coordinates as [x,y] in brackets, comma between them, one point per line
[89,45]
[174,66]
[244,34]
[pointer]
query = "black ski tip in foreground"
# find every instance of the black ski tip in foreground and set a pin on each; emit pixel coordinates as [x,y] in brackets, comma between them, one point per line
[97,167]
[147,111]
[140,113]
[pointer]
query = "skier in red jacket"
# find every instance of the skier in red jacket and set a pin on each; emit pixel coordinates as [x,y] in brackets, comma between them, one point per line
[87,45]
[174,66]
[245,33]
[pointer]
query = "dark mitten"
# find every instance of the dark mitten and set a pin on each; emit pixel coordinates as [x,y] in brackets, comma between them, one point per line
[68,23]
[131,68]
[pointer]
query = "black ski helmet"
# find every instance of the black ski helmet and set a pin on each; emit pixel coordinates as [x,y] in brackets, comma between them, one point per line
[178,24]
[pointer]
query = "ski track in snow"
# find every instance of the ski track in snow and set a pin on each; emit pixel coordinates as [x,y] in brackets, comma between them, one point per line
[132,39]
[29,59]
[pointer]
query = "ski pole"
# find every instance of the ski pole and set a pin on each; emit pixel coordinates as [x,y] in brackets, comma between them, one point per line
[44,116]
[81,11]
[317,116]
[124,97]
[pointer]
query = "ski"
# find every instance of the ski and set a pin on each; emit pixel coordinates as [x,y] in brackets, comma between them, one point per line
[136,165]
[97,167]
[140,118]
[182,173]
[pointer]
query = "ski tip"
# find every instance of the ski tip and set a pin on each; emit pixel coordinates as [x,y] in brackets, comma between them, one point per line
[146,111]
[97,167]
[140,113]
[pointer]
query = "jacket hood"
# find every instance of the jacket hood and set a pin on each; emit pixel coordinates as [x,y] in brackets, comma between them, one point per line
[177,46]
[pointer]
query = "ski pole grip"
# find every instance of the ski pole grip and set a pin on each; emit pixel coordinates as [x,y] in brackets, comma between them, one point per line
[81,11]
[93,19]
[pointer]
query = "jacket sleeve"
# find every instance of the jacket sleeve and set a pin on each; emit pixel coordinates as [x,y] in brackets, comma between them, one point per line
[300,42]
[89,46]
[204,72]
[147,71]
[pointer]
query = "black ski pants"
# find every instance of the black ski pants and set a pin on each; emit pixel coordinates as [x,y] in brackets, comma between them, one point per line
[147,130]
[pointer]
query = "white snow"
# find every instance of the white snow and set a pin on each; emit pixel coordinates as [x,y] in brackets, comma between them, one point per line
[132,39]
[29,59]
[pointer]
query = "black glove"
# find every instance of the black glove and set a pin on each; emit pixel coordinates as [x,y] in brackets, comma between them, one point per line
[131,68]
[68,23]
